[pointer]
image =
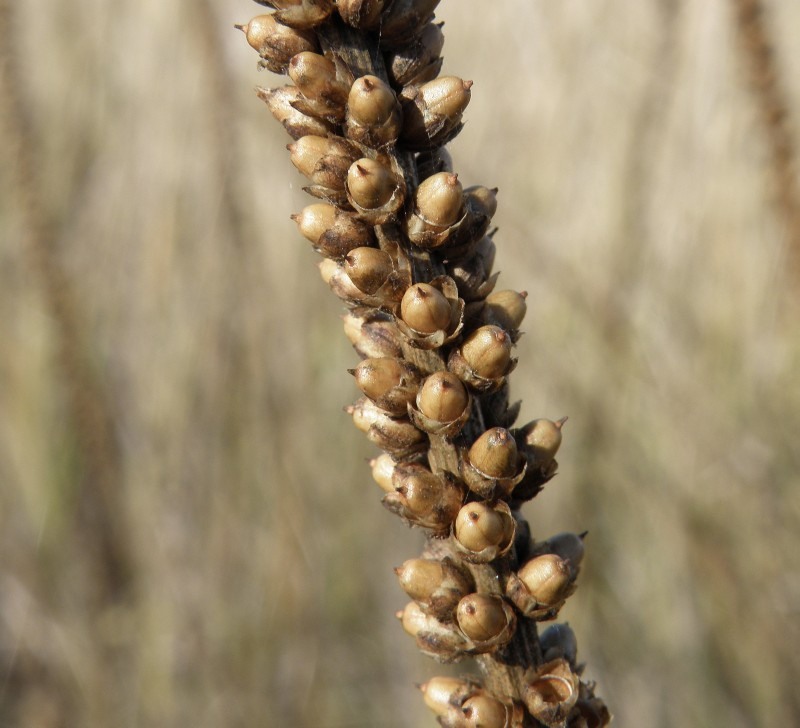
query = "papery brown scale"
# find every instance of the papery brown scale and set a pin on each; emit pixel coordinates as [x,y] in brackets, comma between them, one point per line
[276,43]
[297,124]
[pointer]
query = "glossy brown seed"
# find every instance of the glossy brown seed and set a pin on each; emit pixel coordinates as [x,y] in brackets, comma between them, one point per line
[548,578]
[368,268]
[439,199]
[479,526]
[487,350]
[481,617]
[484,711]
[370,184]
[506,309]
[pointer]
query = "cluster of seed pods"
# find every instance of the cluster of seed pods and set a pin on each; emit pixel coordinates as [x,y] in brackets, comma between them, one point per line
[410,252]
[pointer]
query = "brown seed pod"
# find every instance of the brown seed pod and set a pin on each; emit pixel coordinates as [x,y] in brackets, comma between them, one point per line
[484,358]
[382,471]
[436,585]
[438,207]
[589,711]
[569,546]
[473,278]
[362,14]
[418,62]
[432,112]
[439,640]
[403,19]
[442,694]
[422,498]
[373,113]
[483,531]
[443,405]
[542,439]
[369,268]
[375,191]
[559,641]
[325,161]
[332,232]
[431,314]
[276,43]
[551,692]
[487,621]
[486,711]
[372,334]
[395,435]
[480,203]
[334,275]
[541,586]
[324,94]
[297,124]
[493,465]
[389,382]
[300,13]
[505,309]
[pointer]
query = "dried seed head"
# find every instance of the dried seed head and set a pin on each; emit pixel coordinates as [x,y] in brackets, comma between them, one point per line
[543,438]
[425,309]
[442,397]
[559,641]
[418,62]
[362,14]
[487,351]
[484,711]
[505,308]
[432,113]
[276,43]
[383,470]
[280,102]
[548,579]
[368,268]
[494,453]
[480,526]
[482,617]
[332,232]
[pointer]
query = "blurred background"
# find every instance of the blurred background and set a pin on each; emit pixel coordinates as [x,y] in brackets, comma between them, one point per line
[190,534]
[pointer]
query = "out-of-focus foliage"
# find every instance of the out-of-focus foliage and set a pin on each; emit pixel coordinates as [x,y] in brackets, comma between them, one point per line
[635,208]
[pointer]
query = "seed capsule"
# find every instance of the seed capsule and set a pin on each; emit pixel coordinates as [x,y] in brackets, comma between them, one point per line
[442,693]
[368,268]
[390,383]
[442,397]
[300,13]
[372,335]
[440,641]
[483,532]
[332,232]
[559,641]
[374,191]
[324,160]
[484,359]
[402,20]
[486,620]
[423,498]
[485,711]
[276,43]
[397,436]
[325,96]
[437,586]
[418,62]
[493,463]
[362,14]
[505,309]
[425,309]
[569,546]
[373,113]
[297,124]
[541,586]
[551,692]
[438,205]
[382,471]
[543,438]
[432,112]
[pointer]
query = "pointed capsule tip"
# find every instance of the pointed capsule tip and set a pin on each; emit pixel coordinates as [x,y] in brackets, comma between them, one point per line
[399,614]
[241,27]
[560,423]
[524,294]
[468,85]
[583,535]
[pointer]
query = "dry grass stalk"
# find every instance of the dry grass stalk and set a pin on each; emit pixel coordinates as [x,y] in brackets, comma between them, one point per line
[409,251]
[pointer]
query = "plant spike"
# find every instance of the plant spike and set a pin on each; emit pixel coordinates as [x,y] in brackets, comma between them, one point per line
[406,248]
